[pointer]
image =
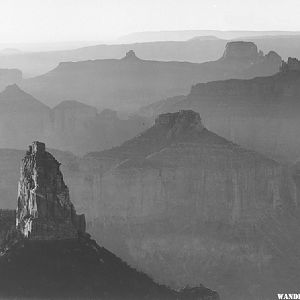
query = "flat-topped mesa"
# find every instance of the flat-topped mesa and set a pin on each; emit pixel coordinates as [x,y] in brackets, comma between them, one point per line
[292,64]
[183,119]
[241,50]
[44,210]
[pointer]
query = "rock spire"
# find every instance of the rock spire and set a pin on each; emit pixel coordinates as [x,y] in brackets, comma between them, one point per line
[44,210]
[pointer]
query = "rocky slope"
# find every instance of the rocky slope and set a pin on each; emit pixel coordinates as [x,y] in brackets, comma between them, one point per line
[79,269]
[49,255]
[181,197]
[260,113]
[128,83]
[71,125]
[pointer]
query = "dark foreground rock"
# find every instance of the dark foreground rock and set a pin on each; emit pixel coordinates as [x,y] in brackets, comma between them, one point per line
[78,268]
[47,253]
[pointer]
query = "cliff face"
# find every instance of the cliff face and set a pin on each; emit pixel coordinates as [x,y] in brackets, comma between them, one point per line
[260,113]
[241,50]
[187,206]
[44,208]
[181,197]
[178,167]
[50,239]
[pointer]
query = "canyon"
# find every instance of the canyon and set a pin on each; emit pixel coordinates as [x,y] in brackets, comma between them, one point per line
[130,82]
[71,125]
[199,48]
[186,206]
[47,252]
[260,113]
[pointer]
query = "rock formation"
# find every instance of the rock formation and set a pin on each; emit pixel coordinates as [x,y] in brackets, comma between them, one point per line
[292,64]
[130,55]
[260,114]
[185,206]
[170,165]
[241,50]
[49,255]
[204,208]
[128,83]
[44,210]
[71,125]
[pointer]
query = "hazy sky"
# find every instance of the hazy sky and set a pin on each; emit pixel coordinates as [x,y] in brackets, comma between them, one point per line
[66,20]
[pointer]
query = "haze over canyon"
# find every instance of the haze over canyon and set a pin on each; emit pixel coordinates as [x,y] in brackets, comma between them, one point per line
[161,165]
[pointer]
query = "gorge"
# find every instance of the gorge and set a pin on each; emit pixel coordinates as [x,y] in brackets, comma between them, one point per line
[47,253]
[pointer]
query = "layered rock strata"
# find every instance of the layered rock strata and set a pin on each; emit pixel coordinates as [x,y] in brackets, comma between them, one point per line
[44,210]
[260,114]
[204,208]
[128,83]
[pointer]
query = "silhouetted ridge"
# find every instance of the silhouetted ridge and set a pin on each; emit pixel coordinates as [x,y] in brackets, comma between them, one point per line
[14,99]
[130,82]
[74,105]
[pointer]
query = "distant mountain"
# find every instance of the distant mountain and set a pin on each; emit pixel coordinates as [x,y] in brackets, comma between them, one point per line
[37,63]
[196,49]
[9,76]
[78,127]
[130,82]
[260,113]
[23,118]
[183,35]
[285,45]
[70,125]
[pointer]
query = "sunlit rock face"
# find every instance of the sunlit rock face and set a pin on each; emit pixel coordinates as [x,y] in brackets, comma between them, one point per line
[44,209]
